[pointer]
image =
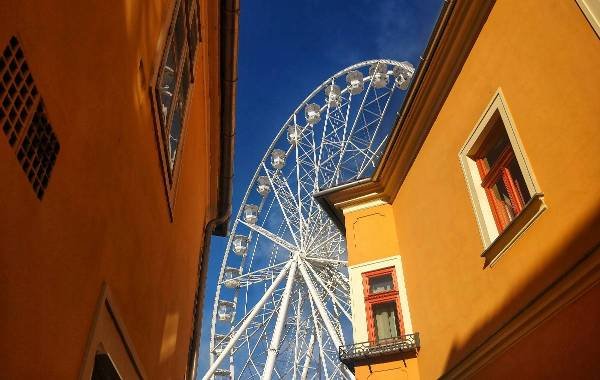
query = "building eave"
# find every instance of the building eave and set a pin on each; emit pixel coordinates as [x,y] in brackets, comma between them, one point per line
[451,41]
[229,40]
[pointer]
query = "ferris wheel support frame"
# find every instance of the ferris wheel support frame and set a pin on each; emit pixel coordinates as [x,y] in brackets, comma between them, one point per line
[244,325]
[333,334]
[281,317]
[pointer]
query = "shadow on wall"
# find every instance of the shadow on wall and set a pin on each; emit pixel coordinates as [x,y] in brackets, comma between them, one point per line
[561,345]
[388,367]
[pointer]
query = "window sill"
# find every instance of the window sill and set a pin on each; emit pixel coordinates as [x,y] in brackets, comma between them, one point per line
[532,210]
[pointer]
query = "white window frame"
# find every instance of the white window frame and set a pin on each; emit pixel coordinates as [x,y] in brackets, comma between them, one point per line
[357,298]
[485,220]
[591,10]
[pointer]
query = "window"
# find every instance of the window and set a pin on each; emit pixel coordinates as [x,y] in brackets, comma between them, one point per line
[24,120]
[104,368]
[382,305]
[501,176]
[109,354]
[505,195]
[173,84]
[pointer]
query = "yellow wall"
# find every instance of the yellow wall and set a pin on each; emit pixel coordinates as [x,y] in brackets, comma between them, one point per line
[370,237]
[394,369]
[545,58]
[370,234]
[105,214]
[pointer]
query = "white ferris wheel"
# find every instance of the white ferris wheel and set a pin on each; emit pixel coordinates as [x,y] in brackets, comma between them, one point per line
[282,306]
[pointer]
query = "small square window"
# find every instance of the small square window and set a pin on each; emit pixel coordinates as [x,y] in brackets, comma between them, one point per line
[381,284]
[382,305]
[505,196]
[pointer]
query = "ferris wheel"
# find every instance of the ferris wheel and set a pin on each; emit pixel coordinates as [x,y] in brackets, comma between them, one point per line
[282,305]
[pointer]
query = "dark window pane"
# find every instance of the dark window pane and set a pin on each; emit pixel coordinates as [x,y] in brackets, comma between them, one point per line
[175,132]
[180,30]
[104,368]
[194,32]
[166,87]
[381,284]
[519,181]
[496,143]
[385,320]
[504,205]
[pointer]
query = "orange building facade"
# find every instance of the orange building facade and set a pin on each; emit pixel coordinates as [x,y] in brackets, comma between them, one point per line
[473,249]
[116,166]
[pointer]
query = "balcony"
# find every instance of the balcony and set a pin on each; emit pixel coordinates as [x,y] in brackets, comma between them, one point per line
[404,347]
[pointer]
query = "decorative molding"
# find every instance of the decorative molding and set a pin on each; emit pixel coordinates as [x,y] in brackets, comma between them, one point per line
[357,206]
[357,297]
[452,39]
[574,283]
[531,212]
[106,302]
[496,243]
[591,10]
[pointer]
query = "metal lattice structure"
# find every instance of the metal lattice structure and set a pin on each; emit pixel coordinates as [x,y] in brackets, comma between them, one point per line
[282,306]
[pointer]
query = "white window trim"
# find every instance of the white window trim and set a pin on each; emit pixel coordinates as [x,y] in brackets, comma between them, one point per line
[357,298]
[495,244]
[591,10]
[483,213]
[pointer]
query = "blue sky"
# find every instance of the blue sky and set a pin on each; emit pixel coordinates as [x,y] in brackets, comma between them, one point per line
[287,48]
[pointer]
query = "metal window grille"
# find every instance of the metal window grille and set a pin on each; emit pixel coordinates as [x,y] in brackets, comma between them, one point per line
[24,120]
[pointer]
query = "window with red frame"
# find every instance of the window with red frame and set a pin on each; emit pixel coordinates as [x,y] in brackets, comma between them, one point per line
[501,176]
[384,317]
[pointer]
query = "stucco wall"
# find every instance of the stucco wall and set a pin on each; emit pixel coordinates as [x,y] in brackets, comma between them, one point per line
[105,214]
[372,245]
[545,58]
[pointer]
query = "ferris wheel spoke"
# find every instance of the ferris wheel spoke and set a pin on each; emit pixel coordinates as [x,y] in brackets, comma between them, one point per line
[285,207]
[308,357]
[254,277]
[343,147]
[319,228]
[241,329]
[319,337]
[326,241]
[297,337]
[326,261]
[333,297]
[319,305]
[294,204]
[368,160]
[281,317]
[298,197]
[271,236]
[254,348]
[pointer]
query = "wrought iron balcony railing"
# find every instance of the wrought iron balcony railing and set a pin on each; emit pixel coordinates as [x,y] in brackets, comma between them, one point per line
[406,345]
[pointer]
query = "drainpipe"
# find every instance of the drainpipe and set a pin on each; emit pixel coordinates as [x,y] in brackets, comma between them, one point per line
[230,10]
[229,22]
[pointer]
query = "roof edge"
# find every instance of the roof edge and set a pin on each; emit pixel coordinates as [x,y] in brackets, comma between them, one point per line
[452,39]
